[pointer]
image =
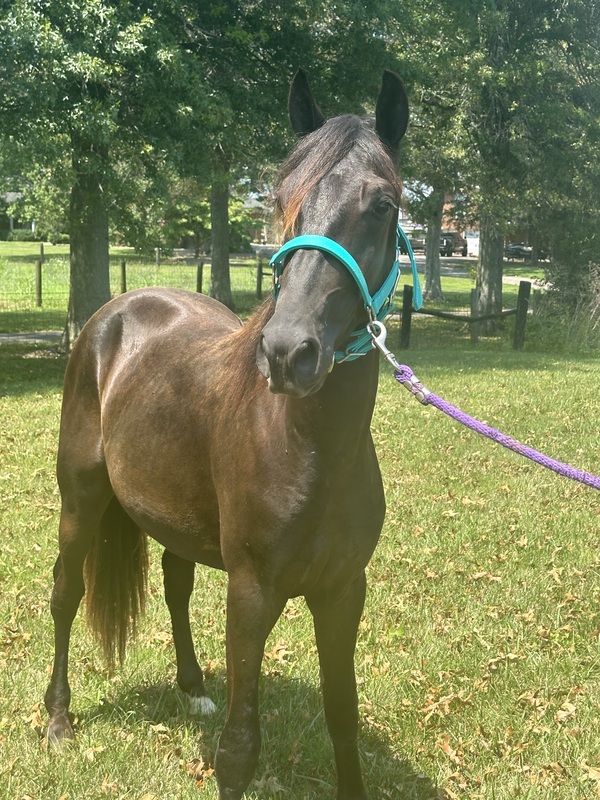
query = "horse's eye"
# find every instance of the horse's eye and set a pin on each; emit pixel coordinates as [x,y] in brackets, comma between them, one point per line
[384,206]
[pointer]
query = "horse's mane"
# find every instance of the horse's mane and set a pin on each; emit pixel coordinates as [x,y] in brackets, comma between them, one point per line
[243,378]
[317,154]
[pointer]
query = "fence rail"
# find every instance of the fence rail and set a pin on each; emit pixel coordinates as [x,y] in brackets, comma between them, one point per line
[40,288]
[473,319]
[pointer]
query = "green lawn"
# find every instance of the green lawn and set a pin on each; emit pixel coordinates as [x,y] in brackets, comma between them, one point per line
[478,659]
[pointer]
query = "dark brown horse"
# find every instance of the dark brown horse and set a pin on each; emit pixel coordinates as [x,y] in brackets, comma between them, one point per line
[171,412]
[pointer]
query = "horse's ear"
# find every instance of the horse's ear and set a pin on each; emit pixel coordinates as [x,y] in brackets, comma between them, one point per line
[391,113]
[305,114]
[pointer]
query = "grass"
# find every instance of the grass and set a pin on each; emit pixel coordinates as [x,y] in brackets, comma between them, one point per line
[478,655]
[478,658]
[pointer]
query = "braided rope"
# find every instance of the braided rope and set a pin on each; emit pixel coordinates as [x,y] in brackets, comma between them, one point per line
[407,378]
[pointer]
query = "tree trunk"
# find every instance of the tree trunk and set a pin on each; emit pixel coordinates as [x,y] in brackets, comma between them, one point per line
[433,281]
[220,281]
[88,231]
[489,273]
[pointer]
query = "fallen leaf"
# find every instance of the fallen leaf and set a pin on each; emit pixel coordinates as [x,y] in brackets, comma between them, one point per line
[566,711]
[447,748]
[479,576]
[593,773]
[505,658]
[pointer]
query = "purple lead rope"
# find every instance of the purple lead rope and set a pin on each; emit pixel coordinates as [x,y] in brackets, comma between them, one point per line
[408,379]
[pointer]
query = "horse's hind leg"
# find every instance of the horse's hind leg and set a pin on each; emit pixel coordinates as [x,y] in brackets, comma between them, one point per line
[179,583]
[69,587]
[336,620]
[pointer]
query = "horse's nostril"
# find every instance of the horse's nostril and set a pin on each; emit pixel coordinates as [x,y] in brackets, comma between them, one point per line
[291,363]
[305,359]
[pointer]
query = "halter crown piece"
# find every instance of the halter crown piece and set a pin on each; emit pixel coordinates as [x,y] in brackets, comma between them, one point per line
[378,306]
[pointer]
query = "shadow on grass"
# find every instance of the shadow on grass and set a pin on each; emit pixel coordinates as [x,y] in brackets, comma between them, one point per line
[26,320]
[295,743]
[30,369]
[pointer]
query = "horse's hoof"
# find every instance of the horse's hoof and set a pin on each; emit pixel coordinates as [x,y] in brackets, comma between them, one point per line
[59,737]
[202,705]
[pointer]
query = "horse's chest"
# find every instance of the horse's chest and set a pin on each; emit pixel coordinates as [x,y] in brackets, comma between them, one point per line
[308,523]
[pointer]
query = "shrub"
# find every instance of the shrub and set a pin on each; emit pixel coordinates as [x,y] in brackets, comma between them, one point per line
[569,312]
[23,235]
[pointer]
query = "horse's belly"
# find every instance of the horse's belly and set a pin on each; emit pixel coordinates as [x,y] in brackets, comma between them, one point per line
[172,500]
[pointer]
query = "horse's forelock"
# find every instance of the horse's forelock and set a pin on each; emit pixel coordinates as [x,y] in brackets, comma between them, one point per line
[317,154]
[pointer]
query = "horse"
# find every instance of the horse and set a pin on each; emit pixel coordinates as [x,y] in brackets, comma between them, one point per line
[244,447]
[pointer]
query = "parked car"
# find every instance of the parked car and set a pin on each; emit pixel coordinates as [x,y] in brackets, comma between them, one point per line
[416,242]
[524,252]
[518,250]
[452,242]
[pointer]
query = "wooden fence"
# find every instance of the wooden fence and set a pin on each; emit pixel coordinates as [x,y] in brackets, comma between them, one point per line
[473,319]
[259,266]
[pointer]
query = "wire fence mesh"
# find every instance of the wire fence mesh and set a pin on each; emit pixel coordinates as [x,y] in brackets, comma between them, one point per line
[34,294]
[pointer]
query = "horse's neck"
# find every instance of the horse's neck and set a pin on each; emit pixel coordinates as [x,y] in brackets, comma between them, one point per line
[335,421]
[342,407]
[341,411]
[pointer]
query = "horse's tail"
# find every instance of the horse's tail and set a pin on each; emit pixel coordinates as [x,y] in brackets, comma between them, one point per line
[115,576]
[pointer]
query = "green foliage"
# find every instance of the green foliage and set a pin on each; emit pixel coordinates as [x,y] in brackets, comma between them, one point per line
[23,235]
[45,200]
[504,106]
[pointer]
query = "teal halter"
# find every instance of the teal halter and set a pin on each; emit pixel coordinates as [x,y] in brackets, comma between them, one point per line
[378,306]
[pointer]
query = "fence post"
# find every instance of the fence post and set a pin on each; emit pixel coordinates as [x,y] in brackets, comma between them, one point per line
[123,276]
[42,256]
[474,313]
[521,319]
[407,308]
[38,283]
[157,255]
[199,276]
[259,275]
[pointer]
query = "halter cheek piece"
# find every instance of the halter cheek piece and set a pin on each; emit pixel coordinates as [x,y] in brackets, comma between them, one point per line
[378,306]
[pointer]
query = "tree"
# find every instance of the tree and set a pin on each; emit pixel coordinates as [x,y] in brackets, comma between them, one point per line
[202,87]
[504,113]
[528,122]
[102,82]
[250,51]
[435,52]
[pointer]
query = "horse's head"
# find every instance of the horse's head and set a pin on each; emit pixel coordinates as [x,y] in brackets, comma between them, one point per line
[339,182]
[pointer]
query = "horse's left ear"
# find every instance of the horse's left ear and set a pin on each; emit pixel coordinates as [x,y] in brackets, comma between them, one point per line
[391,113]
[305,114]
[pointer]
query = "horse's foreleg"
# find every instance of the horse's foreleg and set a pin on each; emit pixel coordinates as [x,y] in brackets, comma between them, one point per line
[179,583]
[251,613]
[336,620]
[66,596]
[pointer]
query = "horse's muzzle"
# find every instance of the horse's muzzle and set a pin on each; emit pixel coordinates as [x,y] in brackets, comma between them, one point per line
[291,364]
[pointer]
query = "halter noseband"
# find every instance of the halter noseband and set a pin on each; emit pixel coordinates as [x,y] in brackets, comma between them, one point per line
[378,306]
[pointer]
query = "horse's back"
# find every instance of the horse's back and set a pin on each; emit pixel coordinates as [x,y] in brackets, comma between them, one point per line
[154,323]
[160,312]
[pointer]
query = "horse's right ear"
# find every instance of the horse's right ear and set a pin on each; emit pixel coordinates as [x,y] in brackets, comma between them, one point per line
[391,114]
[305,114]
